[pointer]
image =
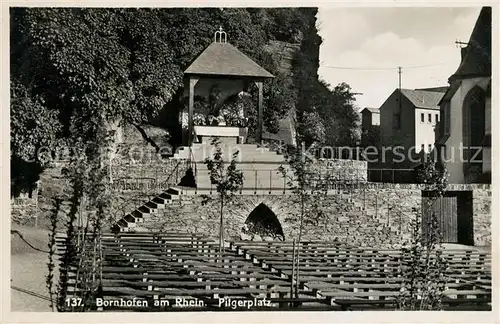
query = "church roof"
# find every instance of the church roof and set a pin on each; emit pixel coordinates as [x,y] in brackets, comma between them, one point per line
[225,59]
[476,57]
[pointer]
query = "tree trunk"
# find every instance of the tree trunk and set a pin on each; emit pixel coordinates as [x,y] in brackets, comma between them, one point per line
[302,202]
[221,234]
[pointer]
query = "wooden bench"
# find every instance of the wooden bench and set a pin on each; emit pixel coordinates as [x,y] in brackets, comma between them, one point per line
[202,276]
[339,294]
[353,279]
[272,292]
[208,284]
[333,265]
[448,304]
[154,246]
[328,271]
[315,255]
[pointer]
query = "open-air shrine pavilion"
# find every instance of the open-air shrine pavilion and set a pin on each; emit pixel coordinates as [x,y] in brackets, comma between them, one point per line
[219,72]
[144,260]
[223,65]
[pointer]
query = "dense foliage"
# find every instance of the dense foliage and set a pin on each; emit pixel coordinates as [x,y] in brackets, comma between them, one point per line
[74,70]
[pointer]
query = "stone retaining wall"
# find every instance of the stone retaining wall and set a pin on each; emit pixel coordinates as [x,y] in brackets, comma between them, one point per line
[338,169]
[364,216]
[24,210]
[133,185]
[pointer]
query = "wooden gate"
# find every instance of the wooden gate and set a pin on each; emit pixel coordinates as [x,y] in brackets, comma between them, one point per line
[446,210]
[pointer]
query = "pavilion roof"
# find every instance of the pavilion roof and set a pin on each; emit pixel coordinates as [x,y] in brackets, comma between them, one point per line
[226,60]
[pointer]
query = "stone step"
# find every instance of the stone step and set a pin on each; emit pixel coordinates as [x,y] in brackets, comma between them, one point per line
[260,166]
[171,193]
[250,159]
[122,222]
[159,200]
[137,213]
[145,209]
[228,151]
[208,147]
[154,205]
[230,155]
[129,218]
[249,176]
[130,224]
[248,153]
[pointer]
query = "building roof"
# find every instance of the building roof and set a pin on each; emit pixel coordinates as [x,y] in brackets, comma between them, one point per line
[423,98]
[372,110]
[225,59]
[476,57]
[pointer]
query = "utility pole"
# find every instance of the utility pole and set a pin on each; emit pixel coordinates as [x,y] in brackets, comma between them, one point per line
[399,86]
[399,72]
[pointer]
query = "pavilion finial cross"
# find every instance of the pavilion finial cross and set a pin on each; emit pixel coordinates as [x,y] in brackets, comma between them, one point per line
[218,36]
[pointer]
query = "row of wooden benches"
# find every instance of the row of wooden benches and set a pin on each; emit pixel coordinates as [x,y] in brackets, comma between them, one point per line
[329,285]
[173,265]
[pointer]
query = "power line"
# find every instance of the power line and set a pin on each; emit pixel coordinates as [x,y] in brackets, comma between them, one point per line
[382,69]
[428,65]
[353,68]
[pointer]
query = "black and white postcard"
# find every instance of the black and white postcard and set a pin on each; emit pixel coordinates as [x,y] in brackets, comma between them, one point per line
[239,162]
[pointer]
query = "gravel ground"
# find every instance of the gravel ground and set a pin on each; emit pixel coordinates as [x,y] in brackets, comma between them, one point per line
[28,271]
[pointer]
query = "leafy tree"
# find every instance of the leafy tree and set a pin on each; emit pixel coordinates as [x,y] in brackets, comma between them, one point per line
[311,129]
[335,106]
[432,173]
[33,126]
[84,67]
[308,189]
[227,182]
[371,137]
[422,265]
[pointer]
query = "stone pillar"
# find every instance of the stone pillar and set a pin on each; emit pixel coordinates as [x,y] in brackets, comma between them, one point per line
[192,84]
[259,114]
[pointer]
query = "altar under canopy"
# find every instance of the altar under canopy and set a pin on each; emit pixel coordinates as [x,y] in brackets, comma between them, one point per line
[224,67]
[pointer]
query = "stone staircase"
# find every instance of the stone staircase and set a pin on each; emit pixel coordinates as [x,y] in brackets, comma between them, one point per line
[129,222]
[260,166]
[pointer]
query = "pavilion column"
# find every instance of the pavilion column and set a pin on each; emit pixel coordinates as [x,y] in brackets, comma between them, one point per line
[259,114]
[192,84]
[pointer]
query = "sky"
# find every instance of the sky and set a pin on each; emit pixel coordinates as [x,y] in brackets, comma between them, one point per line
[364,47]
